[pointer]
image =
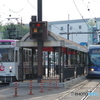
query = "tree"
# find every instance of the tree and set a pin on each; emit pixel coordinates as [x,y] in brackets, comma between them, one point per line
[20,30]
[24,30]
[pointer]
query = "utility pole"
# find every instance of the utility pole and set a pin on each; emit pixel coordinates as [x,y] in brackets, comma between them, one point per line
[68,28]
[68,31]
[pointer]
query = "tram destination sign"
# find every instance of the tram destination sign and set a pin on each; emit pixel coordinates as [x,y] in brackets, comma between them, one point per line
[95,51]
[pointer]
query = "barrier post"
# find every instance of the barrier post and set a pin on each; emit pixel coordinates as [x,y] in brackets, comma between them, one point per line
[41,86]
[50,84]
[16,86]
[56,83]
[30,88]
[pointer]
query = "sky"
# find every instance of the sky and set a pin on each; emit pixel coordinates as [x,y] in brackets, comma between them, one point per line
[53,10]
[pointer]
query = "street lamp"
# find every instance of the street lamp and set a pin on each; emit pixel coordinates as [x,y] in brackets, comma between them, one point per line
[91,22]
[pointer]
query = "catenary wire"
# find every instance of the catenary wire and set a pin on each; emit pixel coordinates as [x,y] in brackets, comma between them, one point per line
[44,17]
[80,13]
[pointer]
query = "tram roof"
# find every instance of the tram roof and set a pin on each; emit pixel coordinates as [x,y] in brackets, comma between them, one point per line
[94,46]
[52,41]
[8,40]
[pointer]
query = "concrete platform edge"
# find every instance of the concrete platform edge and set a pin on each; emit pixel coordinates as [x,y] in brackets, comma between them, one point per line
[46,84]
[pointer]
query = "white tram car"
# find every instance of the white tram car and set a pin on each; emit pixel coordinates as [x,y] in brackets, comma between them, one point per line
[9,60]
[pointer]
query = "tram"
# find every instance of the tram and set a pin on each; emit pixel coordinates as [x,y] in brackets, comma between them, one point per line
[94,61]
[10,59]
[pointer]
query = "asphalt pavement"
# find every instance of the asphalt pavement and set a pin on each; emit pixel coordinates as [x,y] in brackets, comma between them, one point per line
[35,91]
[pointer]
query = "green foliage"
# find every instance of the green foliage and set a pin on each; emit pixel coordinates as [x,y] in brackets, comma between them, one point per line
[22,30]
[25,30]
[5,32]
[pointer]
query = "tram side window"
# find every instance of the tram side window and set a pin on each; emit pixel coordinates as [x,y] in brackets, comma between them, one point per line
[7,55]
[11,55]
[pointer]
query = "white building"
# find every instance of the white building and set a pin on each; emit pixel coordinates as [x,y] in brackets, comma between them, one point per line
[77,26]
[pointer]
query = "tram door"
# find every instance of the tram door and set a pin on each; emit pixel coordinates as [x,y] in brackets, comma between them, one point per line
[27,63]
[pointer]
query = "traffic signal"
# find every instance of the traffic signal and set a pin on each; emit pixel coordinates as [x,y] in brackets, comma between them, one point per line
[38,30]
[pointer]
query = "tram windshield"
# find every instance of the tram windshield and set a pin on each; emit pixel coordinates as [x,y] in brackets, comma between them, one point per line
[95,59]
[6,54]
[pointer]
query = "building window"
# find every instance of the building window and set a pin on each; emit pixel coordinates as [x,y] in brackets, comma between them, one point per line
[70,27]
[61,28]
[80,27]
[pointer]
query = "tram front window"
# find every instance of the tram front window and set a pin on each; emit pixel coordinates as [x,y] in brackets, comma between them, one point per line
[95,59]
[7,55]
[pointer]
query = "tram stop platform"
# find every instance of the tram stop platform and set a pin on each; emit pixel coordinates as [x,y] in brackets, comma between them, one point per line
[49,82]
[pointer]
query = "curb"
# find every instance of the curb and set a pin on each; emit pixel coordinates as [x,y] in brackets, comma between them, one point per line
[63,85]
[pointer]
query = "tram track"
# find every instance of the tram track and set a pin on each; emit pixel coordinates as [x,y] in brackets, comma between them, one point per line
[86,86]
[76,89]
[87,96]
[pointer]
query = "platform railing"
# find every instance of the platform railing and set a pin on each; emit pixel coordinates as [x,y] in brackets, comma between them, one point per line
[63,73]
[79,71]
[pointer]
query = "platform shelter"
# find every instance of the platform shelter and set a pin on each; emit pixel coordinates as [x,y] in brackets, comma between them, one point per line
[61,58]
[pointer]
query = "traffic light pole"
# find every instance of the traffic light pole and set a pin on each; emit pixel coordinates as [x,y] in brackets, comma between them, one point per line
[40,43]
[39,10]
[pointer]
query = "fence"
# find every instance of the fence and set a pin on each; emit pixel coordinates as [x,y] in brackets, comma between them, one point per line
[79,71]
[48,72]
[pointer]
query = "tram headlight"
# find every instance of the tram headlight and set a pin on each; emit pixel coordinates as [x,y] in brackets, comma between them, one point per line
[10,67]
[92,69]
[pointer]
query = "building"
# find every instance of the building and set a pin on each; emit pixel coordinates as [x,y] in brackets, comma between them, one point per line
[76,26]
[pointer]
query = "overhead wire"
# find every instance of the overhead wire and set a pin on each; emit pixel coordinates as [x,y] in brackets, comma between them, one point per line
[47,19]
[80,13]
[44,17]
[88,9]
[16,11]
[52,22]
[20,9]
[31,4]
[91,11]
